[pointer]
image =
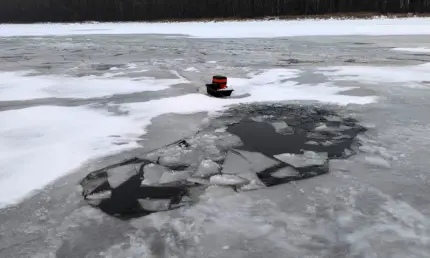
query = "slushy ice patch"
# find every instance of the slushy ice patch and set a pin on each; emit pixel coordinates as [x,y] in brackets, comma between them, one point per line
[263,146]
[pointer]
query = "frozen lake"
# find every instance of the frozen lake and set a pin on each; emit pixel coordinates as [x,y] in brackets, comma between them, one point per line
[68,101]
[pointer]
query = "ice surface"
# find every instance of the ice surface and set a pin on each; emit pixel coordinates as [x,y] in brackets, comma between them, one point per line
[405,76]
[119,175]
[383,152]
[274,91]
[62,138]
[308,158]
[227,180]
[377,161]
[40,144]
[21,86]
[232,29]
[412,49]
[207,168]
[214,192]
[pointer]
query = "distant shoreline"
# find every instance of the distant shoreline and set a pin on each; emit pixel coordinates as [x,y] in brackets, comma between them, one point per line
[336,16]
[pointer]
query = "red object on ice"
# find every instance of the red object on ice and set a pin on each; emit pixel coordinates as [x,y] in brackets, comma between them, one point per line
[220,80]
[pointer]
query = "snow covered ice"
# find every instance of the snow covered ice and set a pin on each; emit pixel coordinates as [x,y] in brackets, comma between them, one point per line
[233,29]
[70,101]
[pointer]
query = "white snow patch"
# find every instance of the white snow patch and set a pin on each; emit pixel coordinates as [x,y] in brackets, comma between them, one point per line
[191,69]
[269,85]
[22,85]
[412,49]
[41,144]
[232,29]
[405,76]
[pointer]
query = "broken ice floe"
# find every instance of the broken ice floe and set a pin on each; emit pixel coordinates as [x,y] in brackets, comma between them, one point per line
[286,172]
[308,158]
[277,144]
[152,174]
[207,168]
[227,180]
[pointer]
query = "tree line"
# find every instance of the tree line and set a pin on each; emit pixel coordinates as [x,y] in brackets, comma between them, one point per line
[25,11]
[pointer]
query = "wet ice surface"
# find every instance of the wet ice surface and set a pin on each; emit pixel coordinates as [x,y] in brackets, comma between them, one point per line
[373,204]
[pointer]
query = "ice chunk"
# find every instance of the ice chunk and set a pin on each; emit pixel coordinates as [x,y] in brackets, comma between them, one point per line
[253,185]
[254,181]
[99,195]
[326,143]
[312,143]
[308,158]
[377,161]
[227,180]
[154,205]
[170,160]
[285,172]
[207,168]
[198,180]
[258,119]
[216,191]
[258,161]
[322,127]
[152,174]
[333,118]
[174,176]
[282,128]
[279,126]
[240,161]
[235,164]
[221,130]
[118,175]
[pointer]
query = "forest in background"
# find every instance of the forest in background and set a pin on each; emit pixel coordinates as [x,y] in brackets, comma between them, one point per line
[28,11]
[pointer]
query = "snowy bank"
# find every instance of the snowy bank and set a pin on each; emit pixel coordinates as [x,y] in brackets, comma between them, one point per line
[231,29]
